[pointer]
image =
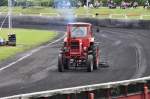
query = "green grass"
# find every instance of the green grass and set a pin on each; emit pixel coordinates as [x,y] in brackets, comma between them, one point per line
[79,11]
[26,39]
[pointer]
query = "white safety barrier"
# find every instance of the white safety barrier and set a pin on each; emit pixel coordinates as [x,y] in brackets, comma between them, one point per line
[101,15]
[84,15]
[111,15]
[4,13]
[49,14]
[127,16]
[78,89]
[124,16]
[144,16]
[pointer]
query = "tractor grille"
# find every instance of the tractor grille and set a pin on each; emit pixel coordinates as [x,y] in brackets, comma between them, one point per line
[74,45]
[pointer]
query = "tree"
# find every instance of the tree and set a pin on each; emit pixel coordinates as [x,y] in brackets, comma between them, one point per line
[3,2]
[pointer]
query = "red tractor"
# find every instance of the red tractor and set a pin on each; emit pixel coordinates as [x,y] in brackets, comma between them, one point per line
[79,48]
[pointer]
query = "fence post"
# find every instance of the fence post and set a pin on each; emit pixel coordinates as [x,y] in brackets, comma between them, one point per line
[126,90]
[20,14]
[93,16]
[125,16]
[91,96]
[76,15]
[109,93]
[110,16]
[68,97]
[145,91]
[141,16]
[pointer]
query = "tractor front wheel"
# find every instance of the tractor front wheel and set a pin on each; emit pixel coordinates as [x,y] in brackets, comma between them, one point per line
[60,63]
[90,63]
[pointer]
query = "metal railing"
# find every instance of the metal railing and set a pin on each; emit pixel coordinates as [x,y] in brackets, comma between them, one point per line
[79,89]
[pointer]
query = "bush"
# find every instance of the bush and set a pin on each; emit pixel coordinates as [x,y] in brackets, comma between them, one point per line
[3,2]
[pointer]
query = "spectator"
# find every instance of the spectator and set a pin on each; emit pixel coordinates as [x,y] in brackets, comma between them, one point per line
[123,5]
[111,5]
[79,4]
[135,4]
[101,3]
[91,5]
[68,4]
[146,4]
[108,2]
[97,4]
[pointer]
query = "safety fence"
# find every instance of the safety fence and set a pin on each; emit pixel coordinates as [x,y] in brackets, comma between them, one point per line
[127,89]
[96,15]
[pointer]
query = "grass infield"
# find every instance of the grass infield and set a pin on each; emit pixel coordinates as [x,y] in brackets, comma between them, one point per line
[26,39]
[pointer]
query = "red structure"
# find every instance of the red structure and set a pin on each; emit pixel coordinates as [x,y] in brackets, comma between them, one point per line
[128,89]
[144,94]
[91,96]
[141,95]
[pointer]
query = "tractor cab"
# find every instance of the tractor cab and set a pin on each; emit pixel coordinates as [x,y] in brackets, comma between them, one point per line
[79,36]
[79,30]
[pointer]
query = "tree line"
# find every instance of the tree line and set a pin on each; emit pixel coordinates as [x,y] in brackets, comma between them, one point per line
[48,3]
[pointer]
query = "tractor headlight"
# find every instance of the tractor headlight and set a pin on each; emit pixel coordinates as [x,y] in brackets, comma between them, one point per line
[85,48]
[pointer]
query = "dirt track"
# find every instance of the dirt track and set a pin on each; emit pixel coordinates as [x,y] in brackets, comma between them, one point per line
[126,50]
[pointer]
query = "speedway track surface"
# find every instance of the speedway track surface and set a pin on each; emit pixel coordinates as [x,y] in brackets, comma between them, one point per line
[127,52]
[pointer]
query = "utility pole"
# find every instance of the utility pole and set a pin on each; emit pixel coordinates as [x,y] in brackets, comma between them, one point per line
[87,3]
[11,36]
[87,6]
[10,14]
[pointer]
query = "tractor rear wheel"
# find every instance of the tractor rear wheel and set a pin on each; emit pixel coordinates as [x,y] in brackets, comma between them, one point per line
[90,63]
[66,63]
[60,63]
[95,57]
